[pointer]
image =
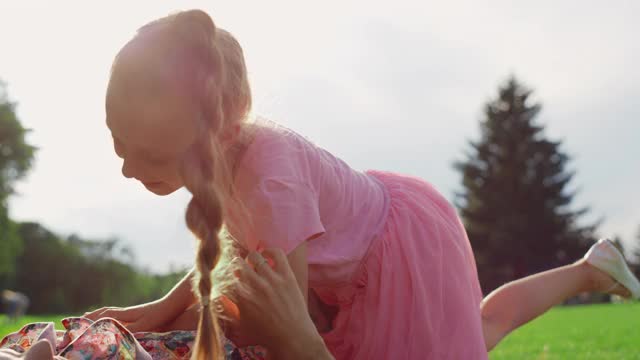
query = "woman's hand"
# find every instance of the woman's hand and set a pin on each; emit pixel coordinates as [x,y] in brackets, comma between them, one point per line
[155,315]
[146,317]
[272,308]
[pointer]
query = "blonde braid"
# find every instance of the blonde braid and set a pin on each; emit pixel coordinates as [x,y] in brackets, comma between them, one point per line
[204,218]
[208,180]
[210,64]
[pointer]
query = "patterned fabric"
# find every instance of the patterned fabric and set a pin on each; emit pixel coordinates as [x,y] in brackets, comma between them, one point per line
[28,335]
[106,338]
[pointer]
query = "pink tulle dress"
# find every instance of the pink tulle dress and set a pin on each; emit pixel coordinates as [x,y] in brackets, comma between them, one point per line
[387,249]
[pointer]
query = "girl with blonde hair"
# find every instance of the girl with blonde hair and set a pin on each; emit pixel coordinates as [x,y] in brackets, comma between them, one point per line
[385,250]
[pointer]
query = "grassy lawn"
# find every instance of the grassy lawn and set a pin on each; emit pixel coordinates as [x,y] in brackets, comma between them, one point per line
[577,332]
[7,327]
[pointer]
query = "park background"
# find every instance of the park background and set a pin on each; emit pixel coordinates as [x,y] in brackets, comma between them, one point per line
[524,115]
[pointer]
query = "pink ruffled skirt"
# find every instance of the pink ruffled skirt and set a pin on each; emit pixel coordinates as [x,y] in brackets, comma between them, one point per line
[416,294]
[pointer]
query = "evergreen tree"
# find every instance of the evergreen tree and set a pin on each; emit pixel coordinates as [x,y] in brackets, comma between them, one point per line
[636,255]
[516,200]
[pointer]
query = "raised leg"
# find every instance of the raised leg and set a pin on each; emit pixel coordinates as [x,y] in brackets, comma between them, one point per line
[521,301]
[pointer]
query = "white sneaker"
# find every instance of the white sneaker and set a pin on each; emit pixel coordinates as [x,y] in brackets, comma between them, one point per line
[606,257]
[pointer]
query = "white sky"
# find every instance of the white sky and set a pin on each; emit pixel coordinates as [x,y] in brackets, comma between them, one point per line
[387,85]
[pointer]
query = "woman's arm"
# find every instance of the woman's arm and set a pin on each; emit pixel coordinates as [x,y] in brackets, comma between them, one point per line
[272,305]
[181,296]
[152,316]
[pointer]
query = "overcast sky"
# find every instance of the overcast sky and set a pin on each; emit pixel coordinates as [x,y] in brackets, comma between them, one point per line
[391,85]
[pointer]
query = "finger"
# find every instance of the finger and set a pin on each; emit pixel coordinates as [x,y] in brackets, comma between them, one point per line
[247,275]
[280,261]
[259,263]
[255,286]
[122,315]
[232,293]
[239,288]
[95,314]
[240,297]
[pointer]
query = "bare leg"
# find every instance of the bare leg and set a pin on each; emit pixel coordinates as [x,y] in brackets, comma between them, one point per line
[518,302]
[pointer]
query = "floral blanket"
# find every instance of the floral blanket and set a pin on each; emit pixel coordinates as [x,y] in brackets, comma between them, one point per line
[106,338]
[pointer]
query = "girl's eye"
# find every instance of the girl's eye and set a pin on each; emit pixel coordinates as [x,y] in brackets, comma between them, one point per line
[150,159]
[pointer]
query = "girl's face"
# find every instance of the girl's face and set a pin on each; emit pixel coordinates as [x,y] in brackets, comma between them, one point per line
[152,124]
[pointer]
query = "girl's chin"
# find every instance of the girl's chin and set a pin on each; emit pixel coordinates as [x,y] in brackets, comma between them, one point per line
[161,189]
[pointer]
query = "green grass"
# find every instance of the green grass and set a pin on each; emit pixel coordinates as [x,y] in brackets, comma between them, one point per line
[577,332]
[7,326]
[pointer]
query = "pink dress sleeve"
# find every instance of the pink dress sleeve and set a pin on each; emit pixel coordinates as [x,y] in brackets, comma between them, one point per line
[285,213]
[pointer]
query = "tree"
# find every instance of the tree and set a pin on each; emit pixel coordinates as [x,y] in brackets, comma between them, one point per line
[16,157]
[515,201]
[72,275]
[10,246]
[636,251]
[636,254]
